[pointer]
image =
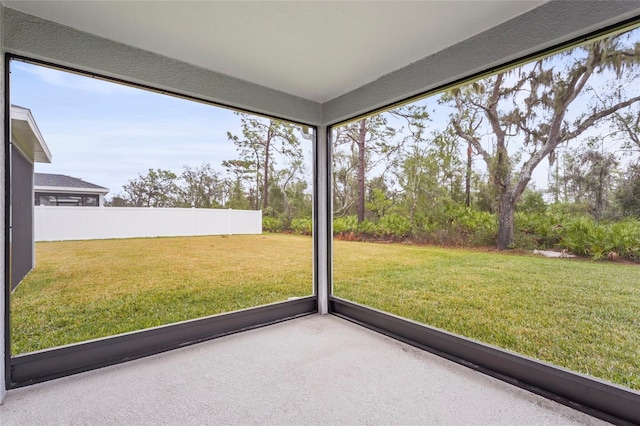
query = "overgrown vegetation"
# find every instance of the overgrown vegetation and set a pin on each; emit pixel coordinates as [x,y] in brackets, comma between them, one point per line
[466,227]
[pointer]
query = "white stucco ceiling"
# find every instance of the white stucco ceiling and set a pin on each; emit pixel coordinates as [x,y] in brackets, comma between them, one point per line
[313,49]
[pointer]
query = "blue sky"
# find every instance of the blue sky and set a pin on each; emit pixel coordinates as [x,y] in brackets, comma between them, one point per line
[107,133]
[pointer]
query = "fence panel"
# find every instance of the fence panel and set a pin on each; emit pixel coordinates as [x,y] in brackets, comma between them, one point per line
[52,223]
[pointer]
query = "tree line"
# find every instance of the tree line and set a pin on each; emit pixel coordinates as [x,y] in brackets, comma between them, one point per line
[466,157]
[567,109]
[269,174]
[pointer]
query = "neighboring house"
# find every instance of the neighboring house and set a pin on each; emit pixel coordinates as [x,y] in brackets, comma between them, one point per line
[27,148]
[62,190]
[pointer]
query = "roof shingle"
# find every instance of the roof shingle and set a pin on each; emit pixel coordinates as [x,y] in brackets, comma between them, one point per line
[63,181]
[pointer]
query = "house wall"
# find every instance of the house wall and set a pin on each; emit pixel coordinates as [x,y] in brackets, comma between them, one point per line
[22,255]
[93,223]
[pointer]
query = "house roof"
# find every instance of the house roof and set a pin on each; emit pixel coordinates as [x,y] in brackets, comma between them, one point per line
[64,183]
[26,136]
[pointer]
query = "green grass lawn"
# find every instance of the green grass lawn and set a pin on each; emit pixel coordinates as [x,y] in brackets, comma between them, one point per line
[574,313]
[578,314]
[82,290]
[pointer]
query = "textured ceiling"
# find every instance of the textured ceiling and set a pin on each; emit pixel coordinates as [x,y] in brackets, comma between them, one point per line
[313,49]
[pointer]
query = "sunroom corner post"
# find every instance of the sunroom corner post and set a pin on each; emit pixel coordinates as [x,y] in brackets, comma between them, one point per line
[322,220]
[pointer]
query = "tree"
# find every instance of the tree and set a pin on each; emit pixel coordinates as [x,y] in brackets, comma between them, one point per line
[444,148]
[370,144]
[261,141]
[234,188]
[288,193]
[200,187]
[117,201]
[156,189]
[416,181]
[589,177]
[344,182]
[534,107]
[363,140]
[628,192]
[531,201]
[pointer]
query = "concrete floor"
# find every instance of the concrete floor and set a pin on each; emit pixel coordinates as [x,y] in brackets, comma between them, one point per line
[312,370]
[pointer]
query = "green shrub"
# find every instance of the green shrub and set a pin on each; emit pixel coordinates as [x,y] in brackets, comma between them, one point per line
[367,227]
[302,226]
[471,226]
[569,209]
[272,224]
[579,236]
[538,231]
[583,236]
[624,237]
[345,224]
[531,201]
[394,225]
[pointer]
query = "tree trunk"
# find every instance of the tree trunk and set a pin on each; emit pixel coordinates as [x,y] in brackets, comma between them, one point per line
[505,195]
[467,178]
[505,221]
[361,166]
[265,180]
[599,194]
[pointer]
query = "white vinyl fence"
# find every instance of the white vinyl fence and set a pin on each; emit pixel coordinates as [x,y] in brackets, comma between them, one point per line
[54,223]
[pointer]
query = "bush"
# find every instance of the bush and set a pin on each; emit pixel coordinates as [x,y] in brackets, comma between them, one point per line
[302,226]
[625,238]
[272,224]
[558,227]
[472,226]
[345,224]
[394,225]
[538,231]
[584,236]
[367,228]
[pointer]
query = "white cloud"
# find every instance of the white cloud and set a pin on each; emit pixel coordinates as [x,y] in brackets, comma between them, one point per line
[73,82]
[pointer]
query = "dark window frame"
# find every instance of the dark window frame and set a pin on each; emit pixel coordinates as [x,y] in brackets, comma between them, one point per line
[83,199]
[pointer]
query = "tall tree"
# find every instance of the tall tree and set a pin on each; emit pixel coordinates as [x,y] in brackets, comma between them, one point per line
[417,179]
[289,196]
[235,197]
[155,189]
[370,144]
[430,172]
[365,141]
[261,140]
[535,108]
[589,177]
[200,187]
[628,192]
